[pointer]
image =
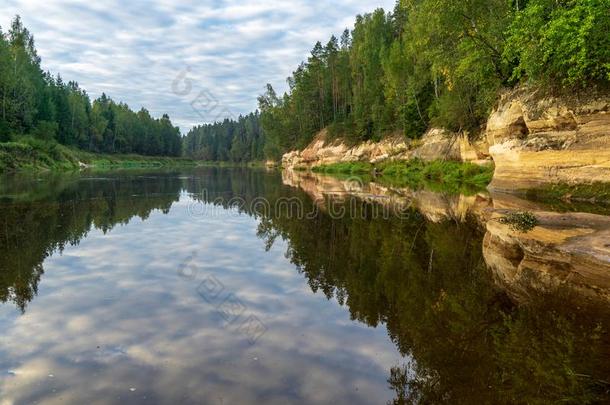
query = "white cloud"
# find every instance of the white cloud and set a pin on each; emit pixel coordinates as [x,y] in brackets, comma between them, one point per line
[134,50]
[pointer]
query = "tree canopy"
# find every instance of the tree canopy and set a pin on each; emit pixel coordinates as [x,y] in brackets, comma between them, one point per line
[436,62]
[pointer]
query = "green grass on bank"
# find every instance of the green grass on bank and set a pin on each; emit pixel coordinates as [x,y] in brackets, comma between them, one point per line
[345,168]
[448,176]
[438,174]
[30,154]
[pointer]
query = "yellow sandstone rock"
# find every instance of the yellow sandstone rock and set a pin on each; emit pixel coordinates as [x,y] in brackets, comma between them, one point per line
[436,144]
[536,140]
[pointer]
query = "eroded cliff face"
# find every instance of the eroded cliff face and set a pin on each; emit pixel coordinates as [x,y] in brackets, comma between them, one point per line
[322,151]
[435,144]
[537,139]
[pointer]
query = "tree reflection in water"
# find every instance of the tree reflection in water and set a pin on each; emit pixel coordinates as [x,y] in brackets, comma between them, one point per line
[463,339]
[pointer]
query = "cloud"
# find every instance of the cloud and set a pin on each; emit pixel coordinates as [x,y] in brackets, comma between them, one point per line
[134,50]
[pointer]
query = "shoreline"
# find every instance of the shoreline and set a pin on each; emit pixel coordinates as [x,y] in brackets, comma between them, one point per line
[33,157]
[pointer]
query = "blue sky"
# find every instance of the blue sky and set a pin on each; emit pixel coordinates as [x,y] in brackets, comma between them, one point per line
[139,51]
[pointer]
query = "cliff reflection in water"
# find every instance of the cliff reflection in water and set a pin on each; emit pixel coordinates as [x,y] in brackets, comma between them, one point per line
[467,334]
[526,327]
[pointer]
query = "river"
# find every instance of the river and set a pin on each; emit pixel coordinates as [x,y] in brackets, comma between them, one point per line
[230,286]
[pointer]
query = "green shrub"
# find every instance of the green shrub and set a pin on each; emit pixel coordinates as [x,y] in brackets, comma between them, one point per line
[522,221]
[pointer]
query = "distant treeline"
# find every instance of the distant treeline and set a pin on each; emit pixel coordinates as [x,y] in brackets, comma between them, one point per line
[237,141]
[34,103]
[436,62]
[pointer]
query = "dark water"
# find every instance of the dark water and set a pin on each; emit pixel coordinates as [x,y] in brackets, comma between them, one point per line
[198,287]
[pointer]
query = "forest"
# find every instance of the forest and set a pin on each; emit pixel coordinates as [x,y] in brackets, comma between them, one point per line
[36,105]
[427,63]
[436,63]
[237,141]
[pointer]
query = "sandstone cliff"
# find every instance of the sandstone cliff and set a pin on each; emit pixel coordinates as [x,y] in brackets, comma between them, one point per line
[537,139]
[435,144]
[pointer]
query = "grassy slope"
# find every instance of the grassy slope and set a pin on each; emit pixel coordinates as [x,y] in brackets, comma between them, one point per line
[28,154]
[438,175]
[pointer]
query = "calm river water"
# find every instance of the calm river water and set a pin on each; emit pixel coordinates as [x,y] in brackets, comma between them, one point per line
[229,286]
